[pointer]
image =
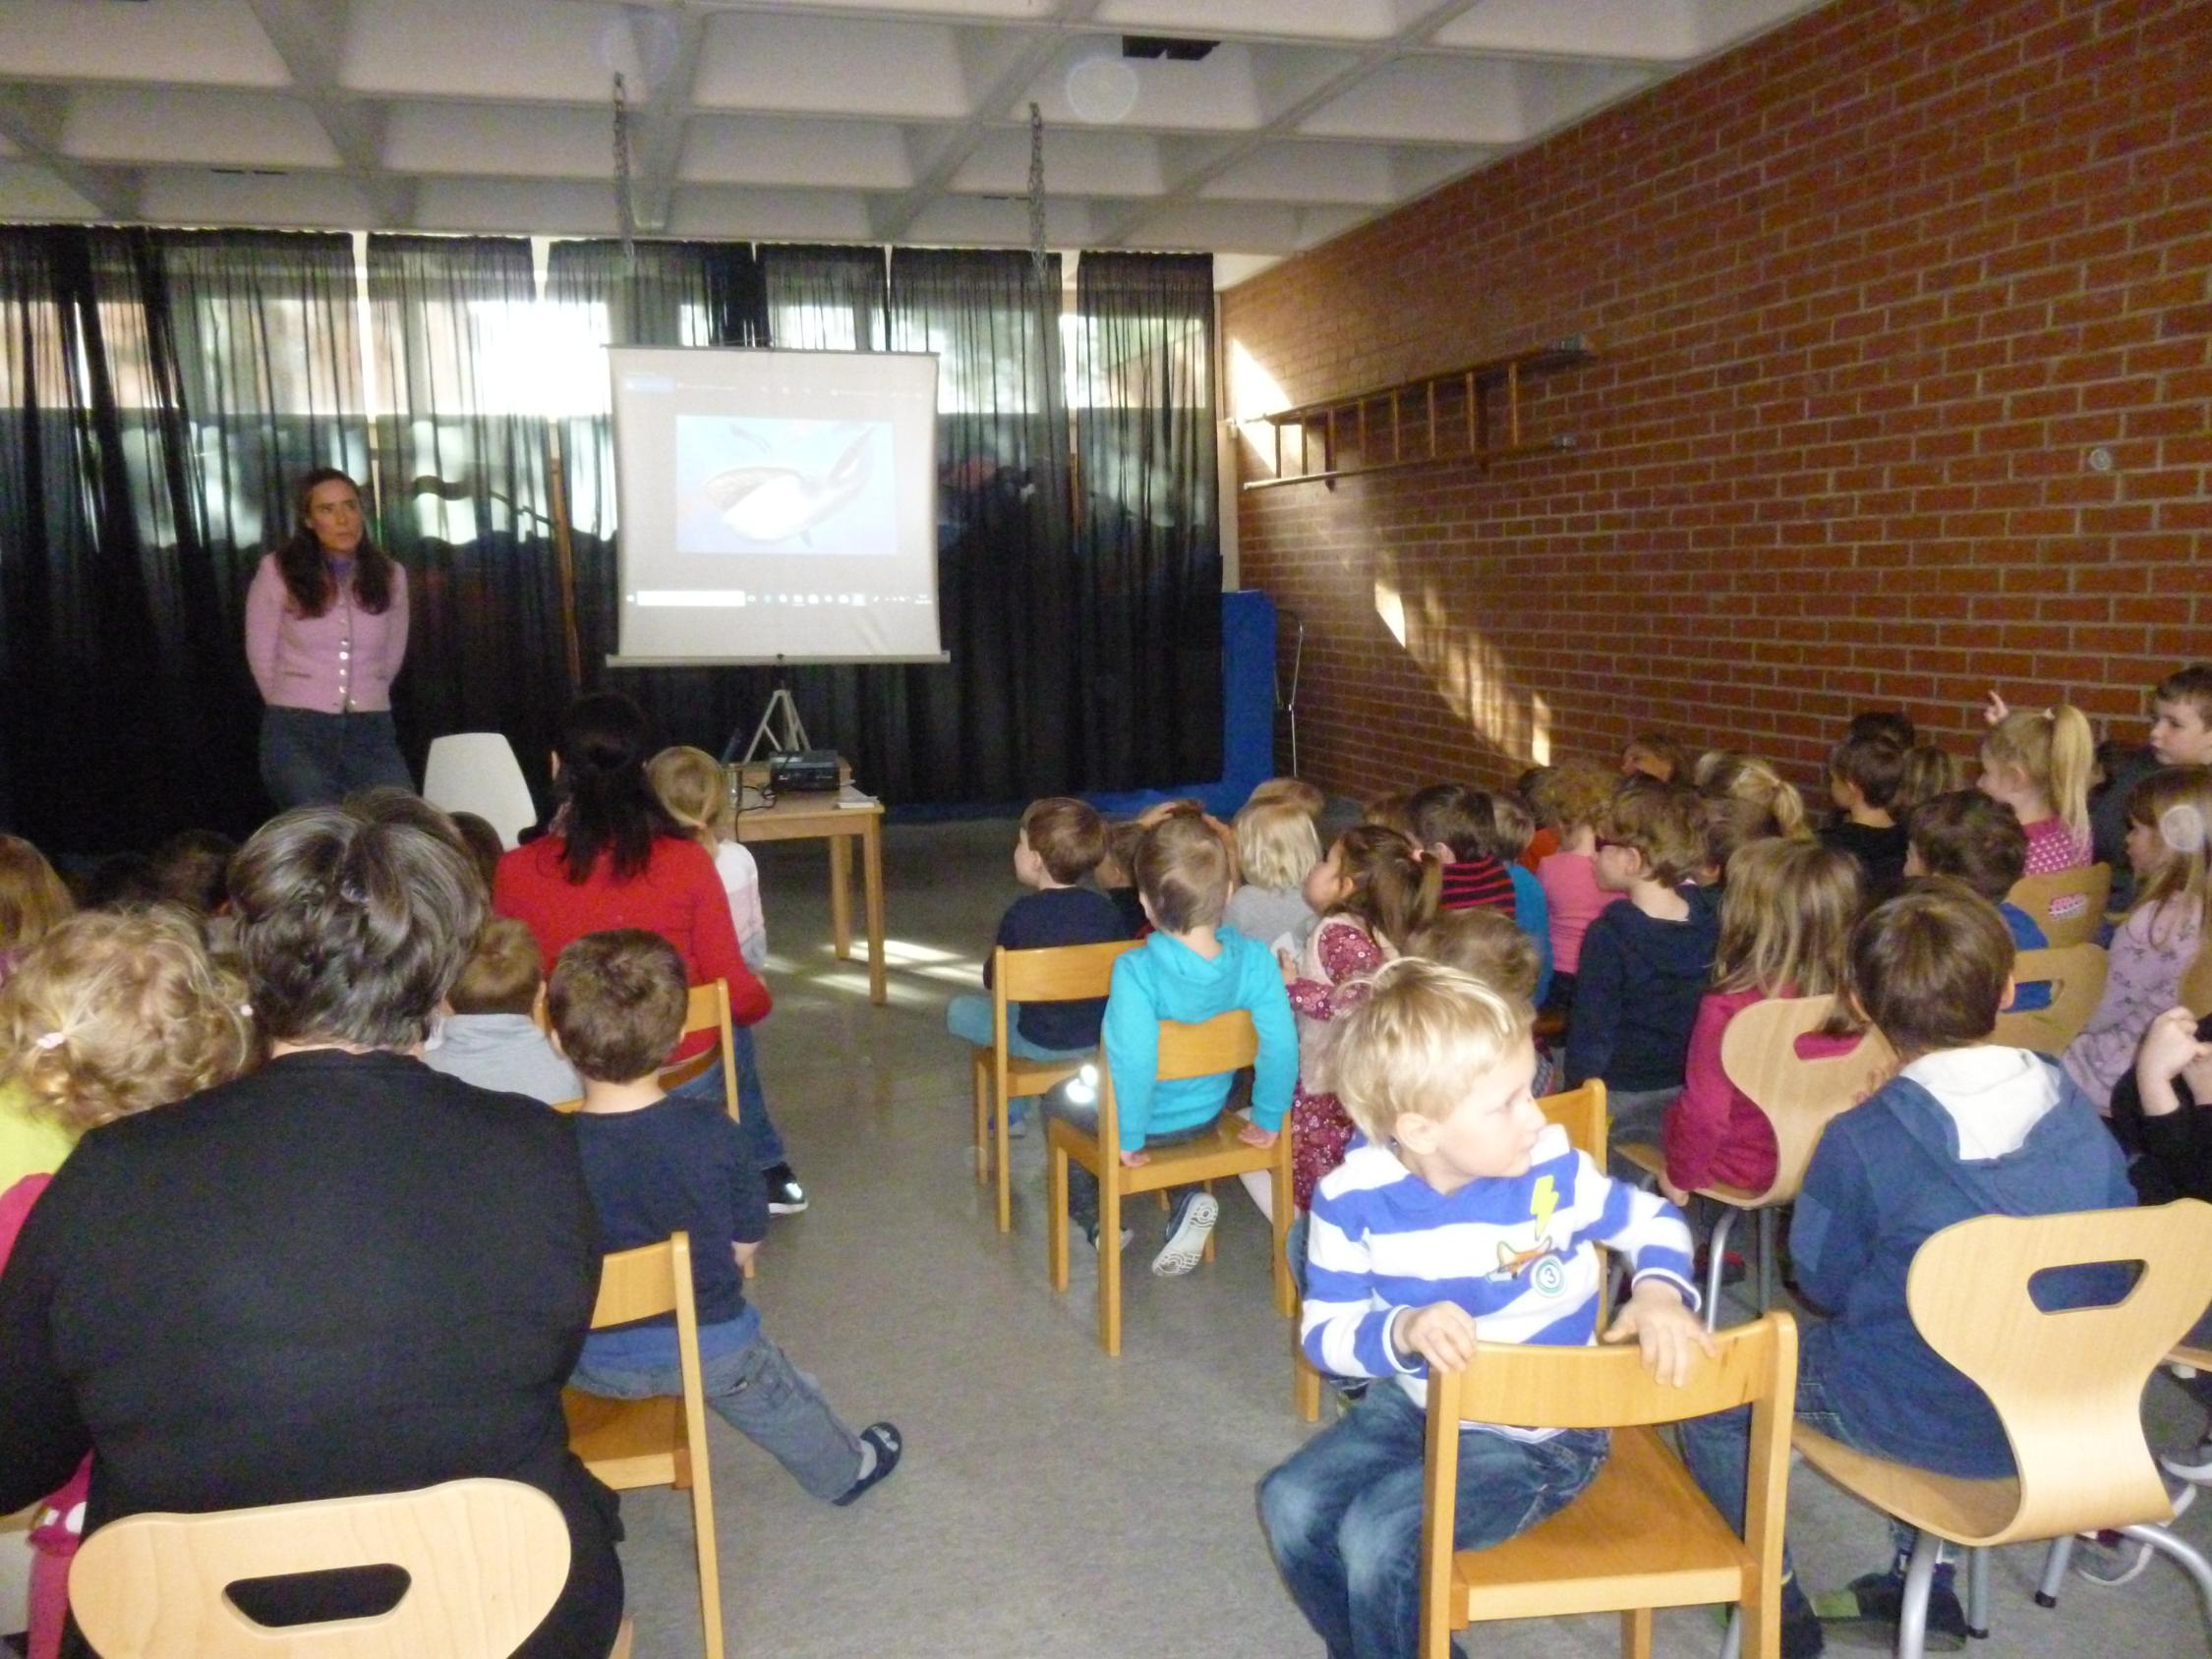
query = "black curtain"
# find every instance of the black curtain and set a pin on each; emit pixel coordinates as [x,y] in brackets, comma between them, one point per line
[1149,644]
[827,298]
[157,391]
[464,370]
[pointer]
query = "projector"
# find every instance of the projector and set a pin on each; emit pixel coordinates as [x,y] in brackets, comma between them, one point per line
[809,771]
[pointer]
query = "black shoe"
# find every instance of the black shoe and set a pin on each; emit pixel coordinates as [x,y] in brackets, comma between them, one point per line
[786,1197]
[884,1437]
[1801,1635]
[1878,1598]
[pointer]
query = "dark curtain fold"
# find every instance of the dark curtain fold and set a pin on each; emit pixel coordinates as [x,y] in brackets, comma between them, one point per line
[1148,640]
[825,299]
[157,391]
[465,372]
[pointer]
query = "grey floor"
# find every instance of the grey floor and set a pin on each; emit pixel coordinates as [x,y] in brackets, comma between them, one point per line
[1055,1502]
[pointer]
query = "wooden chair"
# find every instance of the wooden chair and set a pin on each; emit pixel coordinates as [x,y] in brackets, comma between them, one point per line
[2067,1386]
[1225,1043]
[708,1010]
[485,1560]
[1797,1097]
[1065,973]
[2075,974]
[1580,1112]
[2036,894]
[1642,1535]
[661,1442]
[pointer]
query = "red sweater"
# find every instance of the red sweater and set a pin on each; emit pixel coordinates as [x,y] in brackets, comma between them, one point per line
[677,896]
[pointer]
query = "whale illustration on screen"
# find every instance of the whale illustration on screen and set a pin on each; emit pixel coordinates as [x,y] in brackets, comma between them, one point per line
[772,502]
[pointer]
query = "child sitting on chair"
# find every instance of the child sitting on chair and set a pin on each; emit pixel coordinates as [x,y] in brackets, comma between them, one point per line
[1966,1128]
[1060,842]
[658,1164]
[1462,1215]
[1190,968]
[1964,834]
[490,1039]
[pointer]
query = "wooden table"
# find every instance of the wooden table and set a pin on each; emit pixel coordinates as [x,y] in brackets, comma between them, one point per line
[805,818]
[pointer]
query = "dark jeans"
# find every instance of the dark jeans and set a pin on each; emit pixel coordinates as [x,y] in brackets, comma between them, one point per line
[1343,1515]
[753,1121]
[1718,1448]
[310,759]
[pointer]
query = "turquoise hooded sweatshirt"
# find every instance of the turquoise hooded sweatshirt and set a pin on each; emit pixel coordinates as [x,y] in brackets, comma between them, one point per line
[1165,979]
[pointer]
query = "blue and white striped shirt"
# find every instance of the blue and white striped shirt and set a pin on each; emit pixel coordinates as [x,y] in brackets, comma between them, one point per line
[1519,1253]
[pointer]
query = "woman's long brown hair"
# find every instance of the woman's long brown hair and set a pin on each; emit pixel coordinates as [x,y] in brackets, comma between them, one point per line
[306,571]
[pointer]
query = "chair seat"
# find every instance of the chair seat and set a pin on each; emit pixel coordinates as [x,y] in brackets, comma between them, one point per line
[1213,1156]
[1652,1162]
[626,1443]
[1031,1077]
[1964,1511]
[1640,1535]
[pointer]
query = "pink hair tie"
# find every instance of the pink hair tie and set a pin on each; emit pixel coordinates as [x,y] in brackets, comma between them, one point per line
[49,1041]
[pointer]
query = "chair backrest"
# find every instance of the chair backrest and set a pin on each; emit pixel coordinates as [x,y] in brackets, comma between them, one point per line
[2067,1385]
[1532,1385]
[1058,973]
[707,1009]
[1582,1114]
[2036,894]
[2075,974]
[641,1284]
[1225,1043]
[485,1559]
[477,771]
[1798,1096]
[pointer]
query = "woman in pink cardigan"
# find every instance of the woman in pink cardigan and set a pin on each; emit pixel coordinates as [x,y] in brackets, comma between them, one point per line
[325,634]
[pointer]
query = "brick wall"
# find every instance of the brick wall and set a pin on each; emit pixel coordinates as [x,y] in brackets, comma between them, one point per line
[1866,295]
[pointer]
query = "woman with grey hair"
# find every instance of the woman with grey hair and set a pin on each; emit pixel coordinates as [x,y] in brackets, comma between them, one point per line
[342,1273]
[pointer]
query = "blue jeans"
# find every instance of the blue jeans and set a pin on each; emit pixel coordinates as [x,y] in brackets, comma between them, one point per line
[753,1121]
[969,1019]
[1083,1186]
[1343,1515]
[310,759]
[1718,1448]
[757,1391]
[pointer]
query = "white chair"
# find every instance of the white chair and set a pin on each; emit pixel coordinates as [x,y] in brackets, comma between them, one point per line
[477,771]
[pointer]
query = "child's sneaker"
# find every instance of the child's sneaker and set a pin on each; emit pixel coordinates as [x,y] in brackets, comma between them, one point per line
[786,1197]
[1090,1233]
[1017,1120]
[1878,1598]
[880,1455]
[1188,1229]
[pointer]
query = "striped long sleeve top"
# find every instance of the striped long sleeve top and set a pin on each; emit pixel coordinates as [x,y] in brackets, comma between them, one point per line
[1518,1253]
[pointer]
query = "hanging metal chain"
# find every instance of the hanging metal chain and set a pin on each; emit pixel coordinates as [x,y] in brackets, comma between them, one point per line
[624,209]
[1038,192]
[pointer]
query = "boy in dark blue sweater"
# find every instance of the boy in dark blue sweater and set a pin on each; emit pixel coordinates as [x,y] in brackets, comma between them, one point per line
[658,1164]
[1646,960]
[1060,841]
[1966,1128]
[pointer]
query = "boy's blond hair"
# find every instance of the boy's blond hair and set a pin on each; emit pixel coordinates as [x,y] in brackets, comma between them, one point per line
[695,790]
[116,1013]
[502,973]
[1182,871]
[1276,843]
[1487,944]
[1307,797]
[1410,1046]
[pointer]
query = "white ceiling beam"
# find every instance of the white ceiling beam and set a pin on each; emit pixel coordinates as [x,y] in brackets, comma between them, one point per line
[659,114]
[309,37]
[31,119]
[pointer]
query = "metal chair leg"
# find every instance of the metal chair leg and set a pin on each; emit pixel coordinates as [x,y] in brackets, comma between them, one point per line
[2054,1571]
[2184,1554]
[1977,1593]
[1912,1617]
[1768,1274]
[1717,1256]
[1731,1645]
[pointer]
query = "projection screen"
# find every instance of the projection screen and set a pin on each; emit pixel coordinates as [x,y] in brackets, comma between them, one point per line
[776,506]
